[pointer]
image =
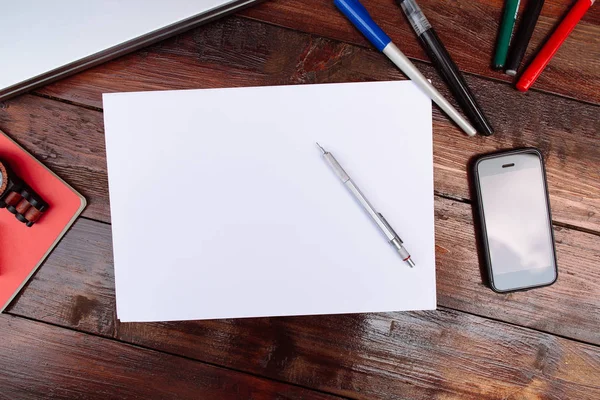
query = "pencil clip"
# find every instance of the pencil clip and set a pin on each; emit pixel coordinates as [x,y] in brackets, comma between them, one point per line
[387,224]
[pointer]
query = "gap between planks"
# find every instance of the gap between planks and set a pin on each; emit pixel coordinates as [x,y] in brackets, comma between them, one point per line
[418,60]
[442,308]
[227,368]
[147,348]
[453,198]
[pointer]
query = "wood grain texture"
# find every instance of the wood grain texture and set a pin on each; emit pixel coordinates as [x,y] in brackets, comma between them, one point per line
[238,52]
[467,28]
[41,361]
[419,355]
[75,286]
[570,307]
[67,139]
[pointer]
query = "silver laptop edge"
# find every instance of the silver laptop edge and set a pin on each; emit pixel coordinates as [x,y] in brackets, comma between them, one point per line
[123,48]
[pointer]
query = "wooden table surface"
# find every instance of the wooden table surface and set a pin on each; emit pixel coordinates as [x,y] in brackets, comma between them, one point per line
[61,338]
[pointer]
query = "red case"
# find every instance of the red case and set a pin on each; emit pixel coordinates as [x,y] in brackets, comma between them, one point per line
[23,249]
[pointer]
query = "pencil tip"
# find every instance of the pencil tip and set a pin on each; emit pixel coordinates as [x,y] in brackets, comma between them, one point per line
[319,146]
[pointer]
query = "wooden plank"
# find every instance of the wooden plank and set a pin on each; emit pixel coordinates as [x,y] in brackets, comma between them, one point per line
[417,355]
[237,52]
[67,139]
[570,307]
[75,286]
[467,28]
[41,361]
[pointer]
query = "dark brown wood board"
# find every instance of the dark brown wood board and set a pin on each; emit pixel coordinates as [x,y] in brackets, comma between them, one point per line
[85,164]
[42,361]
[78,279]
[237,52]
[63,339]
[416,355]
[467,29]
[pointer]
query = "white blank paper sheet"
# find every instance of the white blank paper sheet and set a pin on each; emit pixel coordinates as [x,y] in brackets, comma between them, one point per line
[222,206]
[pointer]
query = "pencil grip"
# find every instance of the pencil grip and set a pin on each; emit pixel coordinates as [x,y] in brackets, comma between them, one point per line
[336,167]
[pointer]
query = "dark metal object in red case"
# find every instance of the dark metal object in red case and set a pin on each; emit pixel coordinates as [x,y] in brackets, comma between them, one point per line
[19,198]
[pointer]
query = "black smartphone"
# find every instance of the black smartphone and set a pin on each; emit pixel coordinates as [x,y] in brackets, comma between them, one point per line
[515,220]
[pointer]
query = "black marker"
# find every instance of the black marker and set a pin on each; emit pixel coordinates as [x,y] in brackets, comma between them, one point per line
[521,40]
[447,68]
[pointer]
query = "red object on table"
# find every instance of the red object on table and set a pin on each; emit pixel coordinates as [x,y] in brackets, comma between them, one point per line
[23,249]
[553,43]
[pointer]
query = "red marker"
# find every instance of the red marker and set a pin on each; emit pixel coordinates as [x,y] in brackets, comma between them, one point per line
[557,38]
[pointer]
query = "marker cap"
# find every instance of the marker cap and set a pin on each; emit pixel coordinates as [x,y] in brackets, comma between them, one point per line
[359,16]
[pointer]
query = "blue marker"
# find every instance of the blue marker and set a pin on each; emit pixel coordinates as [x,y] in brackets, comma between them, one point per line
[359,16]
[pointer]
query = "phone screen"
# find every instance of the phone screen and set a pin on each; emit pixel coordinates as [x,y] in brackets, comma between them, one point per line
[517,222]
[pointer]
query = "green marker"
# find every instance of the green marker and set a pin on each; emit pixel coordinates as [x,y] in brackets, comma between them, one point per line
[511,7]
